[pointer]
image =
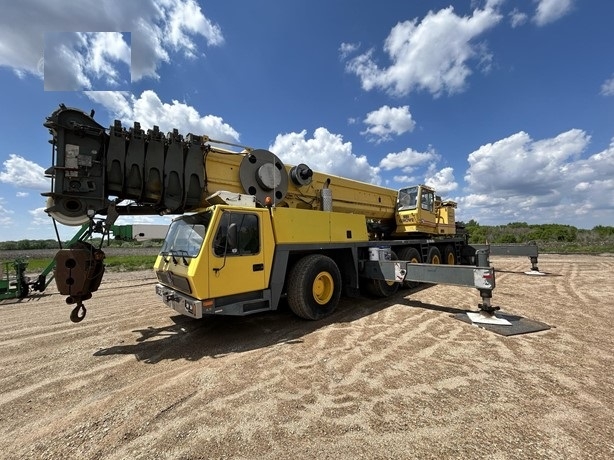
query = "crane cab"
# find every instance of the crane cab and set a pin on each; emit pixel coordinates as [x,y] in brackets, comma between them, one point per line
[420,211]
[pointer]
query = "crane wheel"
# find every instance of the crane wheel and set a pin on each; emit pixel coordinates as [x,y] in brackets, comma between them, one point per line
[434,256]
[449,256]
[383,288]
[410,255]
[314,287]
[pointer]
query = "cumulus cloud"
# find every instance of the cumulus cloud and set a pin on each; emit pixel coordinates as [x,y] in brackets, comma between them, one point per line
[548,180]
[156,27]
[325,152]
[432,55]
[520,163]
[23,173]
[149,110]
[551,10]
[387,121]
[406,180]
[86,60]
[442,181]
[407,160]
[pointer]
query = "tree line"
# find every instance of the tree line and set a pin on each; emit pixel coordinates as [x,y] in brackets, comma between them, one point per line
[556,237]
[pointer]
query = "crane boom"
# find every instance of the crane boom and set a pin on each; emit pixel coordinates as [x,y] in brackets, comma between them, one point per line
[94,169]
[251,229]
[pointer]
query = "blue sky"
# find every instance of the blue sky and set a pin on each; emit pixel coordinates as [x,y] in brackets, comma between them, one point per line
[505,106]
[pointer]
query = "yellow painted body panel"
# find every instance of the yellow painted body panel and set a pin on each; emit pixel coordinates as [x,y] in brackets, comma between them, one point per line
[212,276]
[232,274]
[427,214]
[349,196]
[422,221]
[303,226]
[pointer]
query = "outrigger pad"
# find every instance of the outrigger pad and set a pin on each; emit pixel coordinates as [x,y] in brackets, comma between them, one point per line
[519,325]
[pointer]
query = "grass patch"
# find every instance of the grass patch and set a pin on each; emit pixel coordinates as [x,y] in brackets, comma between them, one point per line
[112,263]
[129,263]
[574,248]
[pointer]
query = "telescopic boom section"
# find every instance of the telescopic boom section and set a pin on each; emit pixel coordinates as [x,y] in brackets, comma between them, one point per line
[95,168]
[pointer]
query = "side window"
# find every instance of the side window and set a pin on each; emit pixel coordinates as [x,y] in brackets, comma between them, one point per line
[427,200]
[249,240]
[220,242]
[247,235]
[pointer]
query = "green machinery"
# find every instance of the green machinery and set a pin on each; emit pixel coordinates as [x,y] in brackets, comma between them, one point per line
[14,284]
[17,286]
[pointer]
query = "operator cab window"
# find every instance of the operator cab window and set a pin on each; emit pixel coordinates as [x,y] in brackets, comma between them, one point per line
[407,198]
[427,200]
[238,234]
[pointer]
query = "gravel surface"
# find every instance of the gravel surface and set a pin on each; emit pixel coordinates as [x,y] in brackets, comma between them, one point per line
[380,379]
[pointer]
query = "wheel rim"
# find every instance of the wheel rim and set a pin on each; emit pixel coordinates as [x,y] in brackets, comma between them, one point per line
[450,259]
[323,288]
[435,260]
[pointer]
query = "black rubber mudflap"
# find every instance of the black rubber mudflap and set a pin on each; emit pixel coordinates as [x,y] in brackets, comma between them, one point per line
[520,325]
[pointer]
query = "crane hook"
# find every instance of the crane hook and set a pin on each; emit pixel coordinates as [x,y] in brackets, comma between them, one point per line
[75,317]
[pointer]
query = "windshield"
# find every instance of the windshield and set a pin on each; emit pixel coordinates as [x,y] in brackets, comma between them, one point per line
[407,198]
[185,235]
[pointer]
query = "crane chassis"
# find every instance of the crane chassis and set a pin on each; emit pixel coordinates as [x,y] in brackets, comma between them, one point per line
[250,230]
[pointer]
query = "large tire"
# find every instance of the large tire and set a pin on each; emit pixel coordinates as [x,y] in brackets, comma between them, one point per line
[314,287]
[411,255]
[434,256]
[383,288]
[449,257]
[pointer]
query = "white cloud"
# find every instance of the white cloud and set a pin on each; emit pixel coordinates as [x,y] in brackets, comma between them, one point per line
[433,55]
[388,120]
[517,163]
[405,180]
[85,60]
[442,181]
[324,152]
[157,27]
[5,214]
[548,180]
[22,194]
[345,49]
[407,160]
[185,19]
[518,18]
[149,110]
[65,62]
[39,217]
[551,10]
[23,173]
[607,89]
[106,48]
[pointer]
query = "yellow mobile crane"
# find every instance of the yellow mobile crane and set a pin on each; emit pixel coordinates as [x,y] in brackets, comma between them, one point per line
[251,230]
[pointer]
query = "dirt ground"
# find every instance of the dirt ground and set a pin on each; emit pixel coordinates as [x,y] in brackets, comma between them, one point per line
[395,378]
